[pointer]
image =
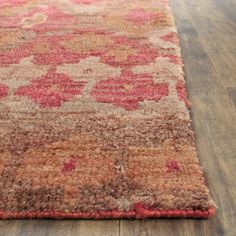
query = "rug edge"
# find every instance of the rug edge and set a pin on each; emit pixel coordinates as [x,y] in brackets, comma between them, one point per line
[115,214]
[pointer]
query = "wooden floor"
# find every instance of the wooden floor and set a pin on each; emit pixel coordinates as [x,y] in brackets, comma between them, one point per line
[207,30]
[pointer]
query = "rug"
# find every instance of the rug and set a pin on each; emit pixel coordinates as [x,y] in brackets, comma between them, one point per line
[94,113]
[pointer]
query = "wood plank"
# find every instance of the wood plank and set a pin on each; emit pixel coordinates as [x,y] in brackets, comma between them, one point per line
[9,227]
[59,227]
[95,228]
[232,94]
[176,227]
[84,227]
[220,46]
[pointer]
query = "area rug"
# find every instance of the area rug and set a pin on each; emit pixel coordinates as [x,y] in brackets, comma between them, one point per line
[94,115]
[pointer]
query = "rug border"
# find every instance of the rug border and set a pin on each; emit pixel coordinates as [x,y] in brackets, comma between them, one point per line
[115,214]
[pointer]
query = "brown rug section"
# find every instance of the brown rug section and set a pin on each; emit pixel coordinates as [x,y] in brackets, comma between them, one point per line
[94,116]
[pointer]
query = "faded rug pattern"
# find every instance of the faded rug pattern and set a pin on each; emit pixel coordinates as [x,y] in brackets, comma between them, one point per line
[94,119]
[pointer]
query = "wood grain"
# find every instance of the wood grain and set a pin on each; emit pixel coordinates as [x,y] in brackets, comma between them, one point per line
[59,227]
[207,31]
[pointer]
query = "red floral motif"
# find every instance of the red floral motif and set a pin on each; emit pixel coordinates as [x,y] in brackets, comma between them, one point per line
[46,51]
[172,166]
[51,90]
[14,55]
[126,52]
[128,90]
[53,53]
[70,165]
[3,91]
[171,37]
[139,16]
[85,1]
[56,50]
[116,51]
[181,91]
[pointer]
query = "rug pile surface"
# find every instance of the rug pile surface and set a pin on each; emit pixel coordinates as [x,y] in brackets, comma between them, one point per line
[94,115]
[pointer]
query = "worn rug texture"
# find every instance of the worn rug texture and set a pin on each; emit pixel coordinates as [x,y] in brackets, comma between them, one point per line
[94,116]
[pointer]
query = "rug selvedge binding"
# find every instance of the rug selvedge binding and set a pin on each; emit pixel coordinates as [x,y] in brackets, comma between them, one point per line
[115,214]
